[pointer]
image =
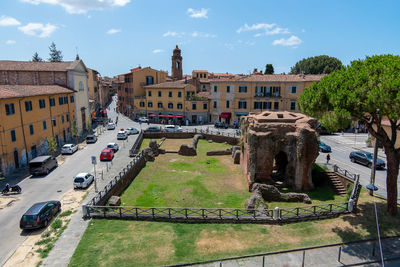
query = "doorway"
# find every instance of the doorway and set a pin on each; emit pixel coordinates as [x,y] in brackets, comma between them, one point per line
[16,159]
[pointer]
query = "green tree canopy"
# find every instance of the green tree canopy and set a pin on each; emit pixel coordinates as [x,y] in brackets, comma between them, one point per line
[367,91]
[55,55]
[316,65]
[269,69]
[36,58]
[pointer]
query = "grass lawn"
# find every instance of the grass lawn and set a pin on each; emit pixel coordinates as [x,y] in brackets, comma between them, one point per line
[199,182]
[180,181]
[131,243]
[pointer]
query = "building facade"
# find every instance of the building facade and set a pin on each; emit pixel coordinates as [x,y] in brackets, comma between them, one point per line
[28,116]
[132,90]
[70,74]
[238,96]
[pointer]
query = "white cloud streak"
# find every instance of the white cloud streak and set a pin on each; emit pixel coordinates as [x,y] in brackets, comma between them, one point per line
[173,34]
[113,31]
[203,35]
[10,42]
[81,6]
[156,51]
[267,29]
[8,21]
[38,29]
[293,41]
[202,13]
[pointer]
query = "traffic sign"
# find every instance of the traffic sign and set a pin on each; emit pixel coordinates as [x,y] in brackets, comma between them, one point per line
[94,160]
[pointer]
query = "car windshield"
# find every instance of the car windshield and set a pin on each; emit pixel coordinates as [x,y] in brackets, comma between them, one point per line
[79,180]
[29,218]
[35,165]
[369,156]
[66,146]
[105,153]
[322,143]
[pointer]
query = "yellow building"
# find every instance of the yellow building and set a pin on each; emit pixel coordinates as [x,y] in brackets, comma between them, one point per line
[234,97]
[133,87]
[176,101]
[29,114]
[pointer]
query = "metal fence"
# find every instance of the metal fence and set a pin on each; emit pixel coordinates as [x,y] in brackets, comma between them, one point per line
[135,148]
[219,214]
[349,175]
[108,187]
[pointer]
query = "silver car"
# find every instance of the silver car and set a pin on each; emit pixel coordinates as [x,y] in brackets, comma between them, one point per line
[69,149]
[83,180]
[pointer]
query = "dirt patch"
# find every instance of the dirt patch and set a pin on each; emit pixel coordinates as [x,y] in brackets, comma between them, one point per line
[7,201]
[237,181]
[211,242]
[26,254]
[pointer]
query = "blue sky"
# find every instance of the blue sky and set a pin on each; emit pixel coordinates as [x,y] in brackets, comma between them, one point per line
[113,36]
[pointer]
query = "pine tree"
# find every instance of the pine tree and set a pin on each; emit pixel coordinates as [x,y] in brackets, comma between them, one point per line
[36,58]
[55,55]
[269,69]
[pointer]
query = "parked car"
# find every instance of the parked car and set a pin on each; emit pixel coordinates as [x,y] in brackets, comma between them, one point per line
[106,154]
[144,119]
[83,180]
[366,158]
[132,131]
[324,147]
[152,129]
[113,146]
[173,128]
[122,135]
[111,126]
[42,165]
[69,149]
[39,215]
[90,139]
[221,125]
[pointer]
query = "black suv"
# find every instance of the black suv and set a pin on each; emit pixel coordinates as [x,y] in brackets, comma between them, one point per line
[221,125]
[39,215]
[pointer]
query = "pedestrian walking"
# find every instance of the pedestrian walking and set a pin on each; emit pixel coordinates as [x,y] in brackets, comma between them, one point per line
[328,158]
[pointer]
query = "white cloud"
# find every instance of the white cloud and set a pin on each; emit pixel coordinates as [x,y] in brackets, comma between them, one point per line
[10,42]
[156,51]
[203,35]
[303,30]
[202,13]
[38,29]
[267,29]
[113,31]
[291,41]
[173,34]
[81,6]
[8,21]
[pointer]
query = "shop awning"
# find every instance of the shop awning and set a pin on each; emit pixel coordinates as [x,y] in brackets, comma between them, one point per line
[104,111]
[165,116]
[153,115]
[225,115]
[242,113]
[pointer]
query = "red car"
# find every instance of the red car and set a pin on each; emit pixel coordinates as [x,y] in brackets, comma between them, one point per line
[106,154]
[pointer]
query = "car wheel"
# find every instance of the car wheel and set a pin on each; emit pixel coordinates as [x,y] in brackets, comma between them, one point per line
[46,222]
[47,171]
[369,165]
[352,160]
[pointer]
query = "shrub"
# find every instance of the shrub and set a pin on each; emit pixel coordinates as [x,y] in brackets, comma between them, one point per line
[318,176]
[56,224]
[65,213]
[349,190]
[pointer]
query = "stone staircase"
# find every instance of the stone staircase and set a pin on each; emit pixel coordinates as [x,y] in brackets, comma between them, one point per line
[336,184]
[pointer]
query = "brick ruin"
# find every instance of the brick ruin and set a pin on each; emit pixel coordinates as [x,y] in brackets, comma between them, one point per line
[279,147]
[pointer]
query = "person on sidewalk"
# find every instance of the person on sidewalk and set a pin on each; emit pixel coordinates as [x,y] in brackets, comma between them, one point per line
[328,158]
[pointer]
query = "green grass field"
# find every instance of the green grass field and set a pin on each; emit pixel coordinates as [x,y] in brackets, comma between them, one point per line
[175,181]
[131,243]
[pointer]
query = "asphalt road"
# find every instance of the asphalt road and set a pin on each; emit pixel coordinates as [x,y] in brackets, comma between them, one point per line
[341,146]
[57,183]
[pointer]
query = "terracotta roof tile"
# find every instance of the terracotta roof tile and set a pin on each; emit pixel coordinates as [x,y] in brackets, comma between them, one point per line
[36,66]
[13,91]
[174,84]
[272,78]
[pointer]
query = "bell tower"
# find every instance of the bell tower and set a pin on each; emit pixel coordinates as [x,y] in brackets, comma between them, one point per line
[176,64]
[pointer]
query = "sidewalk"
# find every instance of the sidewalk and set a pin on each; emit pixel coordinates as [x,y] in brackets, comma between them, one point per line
[323,256]
[65,246]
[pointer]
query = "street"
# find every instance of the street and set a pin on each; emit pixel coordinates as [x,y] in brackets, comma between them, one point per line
[59,181]
[341,146]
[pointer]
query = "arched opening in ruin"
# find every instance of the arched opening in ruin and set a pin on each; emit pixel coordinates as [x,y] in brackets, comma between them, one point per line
[279,166]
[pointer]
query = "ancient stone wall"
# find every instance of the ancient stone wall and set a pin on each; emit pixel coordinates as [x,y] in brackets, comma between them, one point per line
[279,144]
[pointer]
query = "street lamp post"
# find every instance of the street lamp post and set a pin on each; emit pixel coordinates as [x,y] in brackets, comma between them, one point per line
[372,186]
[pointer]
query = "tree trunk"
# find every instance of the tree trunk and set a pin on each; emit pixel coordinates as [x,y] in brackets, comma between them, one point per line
[391,179]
